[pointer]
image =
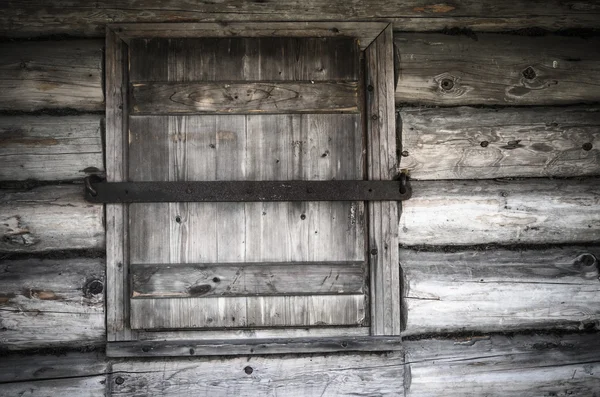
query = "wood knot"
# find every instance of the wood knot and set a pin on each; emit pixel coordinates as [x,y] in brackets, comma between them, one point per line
[198,290]
[484,144]
[587,146]
[587,264]
[93,287]
[248,370]
[119,380]
[447,84]
[529,73]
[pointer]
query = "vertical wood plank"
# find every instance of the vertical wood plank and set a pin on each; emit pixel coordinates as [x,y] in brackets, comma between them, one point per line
[382,165]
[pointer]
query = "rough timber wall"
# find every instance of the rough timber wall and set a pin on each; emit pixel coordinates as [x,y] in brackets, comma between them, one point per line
[493,241]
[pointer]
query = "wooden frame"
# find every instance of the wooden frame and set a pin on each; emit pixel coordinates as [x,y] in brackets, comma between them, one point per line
[376,41]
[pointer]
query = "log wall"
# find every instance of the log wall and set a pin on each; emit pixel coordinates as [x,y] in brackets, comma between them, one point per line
[494,239]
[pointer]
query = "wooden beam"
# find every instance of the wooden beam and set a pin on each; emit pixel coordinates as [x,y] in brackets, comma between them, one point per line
[499,290]
[88,18]
[49,218]
[469,143]
[49,303]
[524,365]
[530,211]
[382,163]
[494,69]
[50,148]
[244,98]
[51,75]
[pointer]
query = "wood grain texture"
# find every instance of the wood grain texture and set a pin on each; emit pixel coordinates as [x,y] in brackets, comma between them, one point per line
[244,98]
[497,69]
[499,290]
[525,366]
[382,163]
[67,374]
[253,311]
[253,347]
[55,74]
[468,143]
[530,211]
[241,279]
[88,18]
[289,375]
[49,218]
[51,303]
[50,148]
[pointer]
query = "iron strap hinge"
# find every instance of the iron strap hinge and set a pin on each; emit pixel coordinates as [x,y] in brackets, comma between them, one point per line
[97,191]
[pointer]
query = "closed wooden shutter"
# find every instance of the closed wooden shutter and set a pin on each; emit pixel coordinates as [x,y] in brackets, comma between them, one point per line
[231,109]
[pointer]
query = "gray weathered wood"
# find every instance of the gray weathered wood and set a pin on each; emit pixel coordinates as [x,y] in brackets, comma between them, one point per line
[499,290]
[49,218]
[253,347]
[67,374]
[50,148]
[497,69]
[382,163]
[244,98]
[469,143]
[524,366]
[88,18]
[530,211]
[240,279]
[51,303]
[251,311]
[51,74]
[289,375]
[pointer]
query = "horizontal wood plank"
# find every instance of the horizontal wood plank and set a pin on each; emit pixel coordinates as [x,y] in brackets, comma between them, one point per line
[530,211]
[243,279]
[267,311]
[50,148]
[49,218]
[253,347]
[88,18]
[469,143]
[497,69]
[499,290]
[244,98]
[51,303]
[51,75]
[524,366]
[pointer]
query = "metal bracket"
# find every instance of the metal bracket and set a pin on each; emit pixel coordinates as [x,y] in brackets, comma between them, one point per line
[245,191]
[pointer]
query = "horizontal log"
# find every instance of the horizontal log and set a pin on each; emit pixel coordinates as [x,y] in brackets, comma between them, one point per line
[469,143]
[497,69]
[290,375]
[244,312]
[51,302]
[253,347]
[500,290]
[50,148]
[88,18]
[530,211]
[49,218]
[524,366]
[240,279]
[244,98]
[51,74]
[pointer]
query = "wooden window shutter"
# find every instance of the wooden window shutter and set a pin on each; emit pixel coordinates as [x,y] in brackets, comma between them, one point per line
[253,107]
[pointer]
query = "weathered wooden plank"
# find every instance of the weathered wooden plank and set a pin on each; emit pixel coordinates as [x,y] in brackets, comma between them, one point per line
[289,375]
[253,347]
[87,18]
[497,69]
[382,162]
[241,279]
[244,98]
[536,211]
[525,366]
[499,290]
[253,311]
[55,74]
[468,143]
[67,374]
[50,148]
[49,218]
[51,302]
